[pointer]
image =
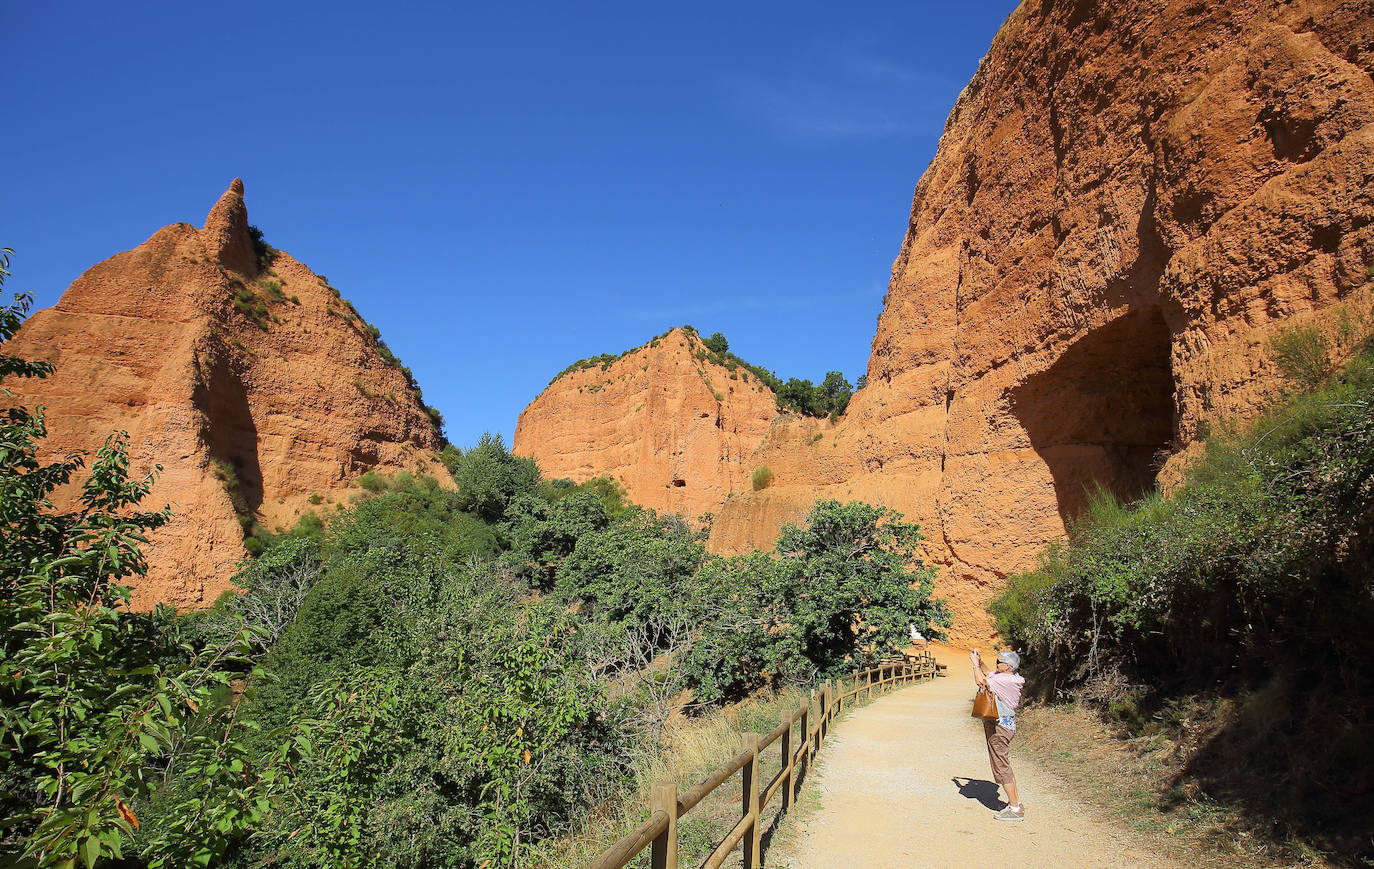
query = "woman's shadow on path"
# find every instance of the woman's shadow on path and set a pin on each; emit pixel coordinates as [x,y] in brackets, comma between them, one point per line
[984,792]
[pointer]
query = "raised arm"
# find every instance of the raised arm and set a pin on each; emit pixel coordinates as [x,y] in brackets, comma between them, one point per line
[980,670]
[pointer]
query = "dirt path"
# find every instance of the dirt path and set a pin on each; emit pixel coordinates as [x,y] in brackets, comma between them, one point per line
[888,796]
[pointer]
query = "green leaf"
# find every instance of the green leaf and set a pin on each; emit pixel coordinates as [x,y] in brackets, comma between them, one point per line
[90,851]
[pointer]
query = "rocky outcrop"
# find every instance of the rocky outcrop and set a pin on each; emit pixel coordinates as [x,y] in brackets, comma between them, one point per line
[673,427]
[261,394]
[1127,202]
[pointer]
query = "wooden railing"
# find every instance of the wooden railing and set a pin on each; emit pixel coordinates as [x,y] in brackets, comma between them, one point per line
[659,833]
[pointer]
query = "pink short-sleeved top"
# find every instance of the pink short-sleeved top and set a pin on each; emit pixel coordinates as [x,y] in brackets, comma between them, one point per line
[1007,687]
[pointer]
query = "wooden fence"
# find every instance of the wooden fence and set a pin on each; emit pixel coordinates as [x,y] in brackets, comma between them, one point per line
[659,833]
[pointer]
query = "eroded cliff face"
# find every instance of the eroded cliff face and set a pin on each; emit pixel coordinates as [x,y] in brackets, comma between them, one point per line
[1128,200]
[671,426]
[287,390]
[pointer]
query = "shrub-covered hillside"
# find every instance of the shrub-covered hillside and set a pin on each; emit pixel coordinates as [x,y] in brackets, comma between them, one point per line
[425,677]
[1245,598]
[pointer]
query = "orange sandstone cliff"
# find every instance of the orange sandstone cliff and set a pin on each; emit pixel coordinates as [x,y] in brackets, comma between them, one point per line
[260,392]
[1127,202]
[667,423]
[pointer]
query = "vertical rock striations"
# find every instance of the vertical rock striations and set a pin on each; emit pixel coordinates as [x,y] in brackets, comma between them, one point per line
[260,394]
[675,429]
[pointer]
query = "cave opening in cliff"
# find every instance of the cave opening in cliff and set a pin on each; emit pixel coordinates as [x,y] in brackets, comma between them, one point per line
[1103,414]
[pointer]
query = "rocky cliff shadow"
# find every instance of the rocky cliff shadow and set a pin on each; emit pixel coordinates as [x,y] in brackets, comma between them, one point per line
[229,433]
[1103,414]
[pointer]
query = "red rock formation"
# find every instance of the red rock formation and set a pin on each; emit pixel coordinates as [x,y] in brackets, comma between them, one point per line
[674,428]
[295,398]
[1127,201]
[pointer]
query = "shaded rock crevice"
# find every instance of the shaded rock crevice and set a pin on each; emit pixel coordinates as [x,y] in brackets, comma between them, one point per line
[227,430]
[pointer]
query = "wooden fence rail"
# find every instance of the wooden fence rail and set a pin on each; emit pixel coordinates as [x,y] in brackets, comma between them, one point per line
[659,832]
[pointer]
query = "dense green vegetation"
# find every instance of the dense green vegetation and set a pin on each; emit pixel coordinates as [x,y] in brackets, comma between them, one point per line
[1246,593]
[440,675]
[828,398]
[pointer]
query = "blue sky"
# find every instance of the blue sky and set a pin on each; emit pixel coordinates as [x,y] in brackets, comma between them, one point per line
[502,188]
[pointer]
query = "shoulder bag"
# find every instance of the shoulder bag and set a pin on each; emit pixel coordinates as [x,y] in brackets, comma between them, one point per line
[984,704]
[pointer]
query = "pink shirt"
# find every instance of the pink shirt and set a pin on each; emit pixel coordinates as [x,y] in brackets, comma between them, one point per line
[1007,687]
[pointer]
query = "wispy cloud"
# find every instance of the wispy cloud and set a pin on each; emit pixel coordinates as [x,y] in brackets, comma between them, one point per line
[852,97]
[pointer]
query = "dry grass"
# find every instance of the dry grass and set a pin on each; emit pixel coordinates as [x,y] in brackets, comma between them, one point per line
[695,747]
[1138,783]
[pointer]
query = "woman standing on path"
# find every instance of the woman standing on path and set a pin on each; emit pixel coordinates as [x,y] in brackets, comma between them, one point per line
[1005,684]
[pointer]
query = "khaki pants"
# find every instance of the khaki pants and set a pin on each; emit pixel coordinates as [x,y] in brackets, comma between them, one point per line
[999,749]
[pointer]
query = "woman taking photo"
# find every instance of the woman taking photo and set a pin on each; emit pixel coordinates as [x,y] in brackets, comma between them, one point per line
[1005,684]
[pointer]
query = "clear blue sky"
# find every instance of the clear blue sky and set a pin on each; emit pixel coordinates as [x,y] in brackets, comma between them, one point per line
[502,188]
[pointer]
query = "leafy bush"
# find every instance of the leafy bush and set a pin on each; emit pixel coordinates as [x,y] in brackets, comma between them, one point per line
[842,589]
[404,507]
[265,252]
[273,291]
[1250,580]
[489,477]
[761,478]
[634,570]
[1228,561]
[1302,355]
[395,632]
[436,417]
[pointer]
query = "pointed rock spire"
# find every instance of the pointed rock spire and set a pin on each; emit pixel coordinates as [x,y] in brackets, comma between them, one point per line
[226,232]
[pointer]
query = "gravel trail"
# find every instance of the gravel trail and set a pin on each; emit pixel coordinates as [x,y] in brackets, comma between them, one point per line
[905,782]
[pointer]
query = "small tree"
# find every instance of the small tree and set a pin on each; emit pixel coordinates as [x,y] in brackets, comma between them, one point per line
[835,393]
[842,589]
[489,477]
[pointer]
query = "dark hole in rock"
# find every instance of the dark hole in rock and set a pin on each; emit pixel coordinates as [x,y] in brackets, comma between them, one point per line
[679,483]
[1103,414]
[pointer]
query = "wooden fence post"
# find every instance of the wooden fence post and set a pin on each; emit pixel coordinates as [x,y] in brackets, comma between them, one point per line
[663,853]
[820,720]
[753,787]
[789,773]
[805,737]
